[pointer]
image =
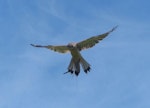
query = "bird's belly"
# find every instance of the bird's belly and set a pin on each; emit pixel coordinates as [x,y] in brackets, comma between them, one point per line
[75,53]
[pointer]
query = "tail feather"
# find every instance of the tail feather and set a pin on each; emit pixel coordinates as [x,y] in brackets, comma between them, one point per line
[77,67]
[85,65]
[71,66]
[74,66]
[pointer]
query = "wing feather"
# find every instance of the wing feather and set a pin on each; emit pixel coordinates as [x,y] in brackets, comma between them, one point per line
[60,49]
[90,42]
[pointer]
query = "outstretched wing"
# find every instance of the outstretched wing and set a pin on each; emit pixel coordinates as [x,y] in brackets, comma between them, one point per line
[90,42]
[60,49]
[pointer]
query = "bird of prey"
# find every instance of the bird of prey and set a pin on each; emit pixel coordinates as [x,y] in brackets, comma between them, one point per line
[75,48]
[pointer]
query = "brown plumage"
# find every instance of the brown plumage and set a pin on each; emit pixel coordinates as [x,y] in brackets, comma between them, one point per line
[74,49]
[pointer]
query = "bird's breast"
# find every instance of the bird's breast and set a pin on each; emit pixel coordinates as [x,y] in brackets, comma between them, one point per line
[75,52]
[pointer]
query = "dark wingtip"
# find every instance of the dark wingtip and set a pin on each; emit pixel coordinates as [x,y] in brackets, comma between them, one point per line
[33,45]
[36,45]
[114,28]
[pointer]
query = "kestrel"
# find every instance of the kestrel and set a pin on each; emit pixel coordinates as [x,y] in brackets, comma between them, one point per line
[74,49]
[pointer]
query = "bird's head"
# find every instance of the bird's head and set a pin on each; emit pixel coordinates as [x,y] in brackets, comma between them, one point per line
[71,45]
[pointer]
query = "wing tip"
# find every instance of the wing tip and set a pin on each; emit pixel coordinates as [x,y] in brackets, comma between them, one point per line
[36,45]
[32,44]
[114,28]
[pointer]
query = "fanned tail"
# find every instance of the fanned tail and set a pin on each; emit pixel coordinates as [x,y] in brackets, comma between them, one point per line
[74,66]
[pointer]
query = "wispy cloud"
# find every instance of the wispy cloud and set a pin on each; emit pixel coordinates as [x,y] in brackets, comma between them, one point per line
[32,77]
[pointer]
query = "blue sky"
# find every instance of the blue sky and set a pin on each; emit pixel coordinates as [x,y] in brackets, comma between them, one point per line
[33,78]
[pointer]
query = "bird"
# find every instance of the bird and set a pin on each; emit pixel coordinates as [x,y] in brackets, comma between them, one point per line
[74,49]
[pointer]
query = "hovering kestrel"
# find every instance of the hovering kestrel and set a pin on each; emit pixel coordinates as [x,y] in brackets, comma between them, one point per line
[74,49]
